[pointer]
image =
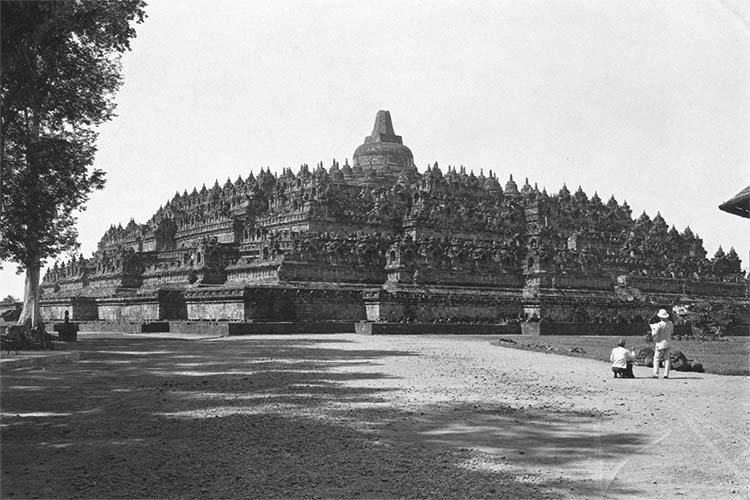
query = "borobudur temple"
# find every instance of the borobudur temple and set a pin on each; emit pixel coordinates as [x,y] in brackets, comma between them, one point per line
[378,240]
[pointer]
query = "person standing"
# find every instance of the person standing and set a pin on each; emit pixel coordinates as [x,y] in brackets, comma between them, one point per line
[662,335]
[622,361]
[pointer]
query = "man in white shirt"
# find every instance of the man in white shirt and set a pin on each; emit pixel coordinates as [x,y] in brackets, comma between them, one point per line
[622,361]
[661,332]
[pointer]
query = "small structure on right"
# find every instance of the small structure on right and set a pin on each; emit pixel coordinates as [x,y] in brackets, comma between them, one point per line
[739,204]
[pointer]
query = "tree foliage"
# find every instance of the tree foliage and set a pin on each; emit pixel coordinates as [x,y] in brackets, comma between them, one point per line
[712,317]
[60,63]
[60,69]
[9,300]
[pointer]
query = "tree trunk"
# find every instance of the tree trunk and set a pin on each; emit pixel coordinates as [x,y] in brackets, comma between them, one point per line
[31,311]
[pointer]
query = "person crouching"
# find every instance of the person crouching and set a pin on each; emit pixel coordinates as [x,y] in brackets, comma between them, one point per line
[622,361]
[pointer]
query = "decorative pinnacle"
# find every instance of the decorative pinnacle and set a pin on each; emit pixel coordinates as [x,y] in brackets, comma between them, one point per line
[383,123]
[383,129]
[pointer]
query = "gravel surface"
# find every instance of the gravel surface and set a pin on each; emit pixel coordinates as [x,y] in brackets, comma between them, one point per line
[351,416]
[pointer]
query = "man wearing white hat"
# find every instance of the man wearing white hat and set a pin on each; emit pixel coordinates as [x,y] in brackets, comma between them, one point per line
[662,334]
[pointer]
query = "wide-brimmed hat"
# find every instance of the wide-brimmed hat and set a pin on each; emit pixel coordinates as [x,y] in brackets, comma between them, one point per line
[663,314]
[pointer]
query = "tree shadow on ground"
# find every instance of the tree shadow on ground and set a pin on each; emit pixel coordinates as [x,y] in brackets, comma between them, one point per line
[269,419]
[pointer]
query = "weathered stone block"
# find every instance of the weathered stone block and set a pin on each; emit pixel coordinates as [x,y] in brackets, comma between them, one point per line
[67,332]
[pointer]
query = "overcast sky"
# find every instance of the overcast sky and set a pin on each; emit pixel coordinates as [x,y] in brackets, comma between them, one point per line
[644,100]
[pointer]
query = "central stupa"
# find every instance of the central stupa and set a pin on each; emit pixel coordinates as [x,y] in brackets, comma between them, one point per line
[383,152]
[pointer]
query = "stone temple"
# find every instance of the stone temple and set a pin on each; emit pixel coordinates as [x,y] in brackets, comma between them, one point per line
[379,241]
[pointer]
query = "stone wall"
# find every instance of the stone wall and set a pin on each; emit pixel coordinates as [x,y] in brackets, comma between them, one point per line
[343,227]
[223,230]
[459,277]
[216,303]
[72,286]
[284,328]
[430,305]
[369,328]
[128,309]
[304,304]
[79,309]
[127,306]
[274,304]
[157,278]
[564,308]
[567,281]
[584,328]
[717,289]
[114,280]
[310,272]
[257,273]
[689,287]
[110,326]
[207,328]
[280,271]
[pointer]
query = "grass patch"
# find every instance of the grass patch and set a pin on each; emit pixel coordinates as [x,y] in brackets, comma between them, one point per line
[730,356]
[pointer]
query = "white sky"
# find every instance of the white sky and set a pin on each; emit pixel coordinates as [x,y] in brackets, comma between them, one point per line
[646,100]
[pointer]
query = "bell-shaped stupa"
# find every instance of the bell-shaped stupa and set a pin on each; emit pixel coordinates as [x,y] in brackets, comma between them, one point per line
[383,151]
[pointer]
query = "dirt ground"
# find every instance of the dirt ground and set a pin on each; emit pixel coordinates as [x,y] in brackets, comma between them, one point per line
[351,416]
